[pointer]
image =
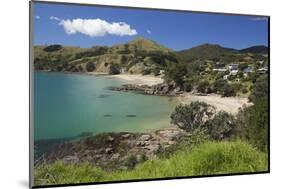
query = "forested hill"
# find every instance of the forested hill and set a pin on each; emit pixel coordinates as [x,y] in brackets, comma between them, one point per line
[139,56]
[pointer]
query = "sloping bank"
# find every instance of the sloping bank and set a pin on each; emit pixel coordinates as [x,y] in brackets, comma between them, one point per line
[206,159]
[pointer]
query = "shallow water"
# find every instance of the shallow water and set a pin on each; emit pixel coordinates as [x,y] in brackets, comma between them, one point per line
[66,105]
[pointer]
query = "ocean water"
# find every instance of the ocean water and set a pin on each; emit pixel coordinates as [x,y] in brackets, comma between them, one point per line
[66,105]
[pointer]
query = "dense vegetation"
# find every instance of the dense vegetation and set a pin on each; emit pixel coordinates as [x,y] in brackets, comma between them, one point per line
[205,159]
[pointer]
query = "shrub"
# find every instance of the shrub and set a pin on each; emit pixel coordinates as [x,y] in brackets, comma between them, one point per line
[221,126]
[90,67]
[114,69]
[204,87]
[131,162]
[193,116]
[227,90]
[187,87]
[260,89]
[253,124]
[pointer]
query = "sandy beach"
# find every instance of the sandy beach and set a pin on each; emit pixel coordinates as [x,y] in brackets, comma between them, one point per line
[138,79]
[228,104]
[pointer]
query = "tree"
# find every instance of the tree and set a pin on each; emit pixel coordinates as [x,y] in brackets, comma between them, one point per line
[221,126]
[176,72]
[90,67]
[260,89]
[227,90]
[114,69]
[193,116]
[252,123]
[204,87]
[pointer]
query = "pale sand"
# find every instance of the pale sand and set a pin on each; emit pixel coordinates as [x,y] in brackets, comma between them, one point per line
[228,104]
[138,79]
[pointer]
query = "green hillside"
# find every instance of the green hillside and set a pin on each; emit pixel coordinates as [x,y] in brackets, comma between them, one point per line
[133,57]
[205,51]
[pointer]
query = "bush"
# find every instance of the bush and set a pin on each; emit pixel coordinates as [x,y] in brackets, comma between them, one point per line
[253,124]
[227,90]
[193,116]
[221,126]
[114,69]
[90,67]
[204,87]
[131,162]
[187,87]
[260,89]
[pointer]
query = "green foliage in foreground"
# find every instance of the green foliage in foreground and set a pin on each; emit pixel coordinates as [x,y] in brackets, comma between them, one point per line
[206,159]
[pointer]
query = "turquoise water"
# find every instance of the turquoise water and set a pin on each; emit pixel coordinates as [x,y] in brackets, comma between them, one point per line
[67,105]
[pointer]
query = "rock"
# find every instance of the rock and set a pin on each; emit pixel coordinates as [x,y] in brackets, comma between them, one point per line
[140,143]
[110,139]
[108,150]
[169,134]
[115,156]
[145,137]
[71,159]
[154,148]
[126,136]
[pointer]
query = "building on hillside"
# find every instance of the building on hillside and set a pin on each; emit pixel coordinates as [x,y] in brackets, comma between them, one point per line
[232,67]
[161,72]
[263,70]
[233,72]
[260,62]
[219,67]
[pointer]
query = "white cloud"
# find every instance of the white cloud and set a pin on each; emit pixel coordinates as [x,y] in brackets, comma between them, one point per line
[148,31]
[37,17]
[54,18]
[96,27]
[259,19]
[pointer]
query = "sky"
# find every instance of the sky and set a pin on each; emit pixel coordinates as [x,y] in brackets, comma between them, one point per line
[87,26]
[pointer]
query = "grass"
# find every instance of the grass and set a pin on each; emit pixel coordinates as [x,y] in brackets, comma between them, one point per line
[206,159]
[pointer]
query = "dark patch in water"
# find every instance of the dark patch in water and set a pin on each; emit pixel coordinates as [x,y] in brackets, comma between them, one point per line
[104,96]
[107,115]
[131,115]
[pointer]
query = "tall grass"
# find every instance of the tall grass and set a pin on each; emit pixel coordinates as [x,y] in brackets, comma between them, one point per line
[206,159]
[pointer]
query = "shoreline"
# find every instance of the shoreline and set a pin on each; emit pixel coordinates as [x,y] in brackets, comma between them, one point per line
[228,104]
[138,79]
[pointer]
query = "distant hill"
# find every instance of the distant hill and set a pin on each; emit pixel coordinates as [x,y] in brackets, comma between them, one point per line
[135,56]
[142,44]
[205,51]
[260,49]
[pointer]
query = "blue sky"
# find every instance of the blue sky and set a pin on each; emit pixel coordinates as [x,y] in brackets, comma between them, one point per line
[87,26]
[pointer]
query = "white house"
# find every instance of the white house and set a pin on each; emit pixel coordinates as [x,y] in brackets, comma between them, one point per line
[263,70]
[232,67]
[220,69]
[233,72]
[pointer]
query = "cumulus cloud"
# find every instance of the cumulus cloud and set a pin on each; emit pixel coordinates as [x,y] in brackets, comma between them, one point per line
[96,27]
[259,19]
[148,31]
[54,18]
[37,17]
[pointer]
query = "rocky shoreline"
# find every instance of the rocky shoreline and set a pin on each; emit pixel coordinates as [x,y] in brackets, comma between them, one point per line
[162,89]
[113,150]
